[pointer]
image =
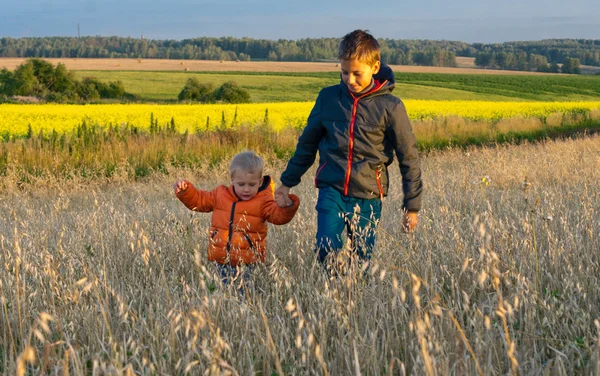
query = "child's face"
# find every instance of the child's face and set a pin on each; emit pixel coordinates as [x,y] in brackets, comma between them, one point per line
[246,184]
[357,75]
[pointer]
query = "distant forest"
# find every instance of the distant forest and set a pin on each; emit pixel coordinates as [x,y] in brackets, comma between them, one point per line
[546,55]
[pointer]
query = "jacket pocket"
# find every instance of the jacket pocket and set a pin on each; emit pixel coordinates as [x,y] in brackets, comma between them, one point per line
[319,171]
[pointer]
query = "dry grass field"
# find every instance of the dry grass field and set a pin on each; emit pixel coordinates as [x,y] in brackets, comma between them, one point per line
[501,277]
[465,66]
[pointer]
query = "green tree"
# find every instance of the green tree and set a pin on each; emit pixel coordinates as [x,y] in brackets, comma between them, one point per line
[483,59]
[571,66]
[64,81]
[194,90]
[87,89]
[231,92]
[24,80]
[7,82]
[44,72]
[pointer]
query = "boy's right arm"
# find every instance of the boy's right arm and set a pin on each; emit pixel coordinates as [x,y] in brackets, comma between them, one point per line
[306,149]
[195,199]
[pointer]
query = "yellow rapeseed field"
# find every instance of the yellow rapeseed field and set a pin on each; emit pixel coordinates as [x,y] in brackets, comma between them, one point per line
[16,119]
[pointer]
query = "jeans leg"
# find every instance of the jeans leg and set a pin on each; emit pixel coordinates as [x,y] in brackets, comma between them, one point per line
[330,223]
[362,226]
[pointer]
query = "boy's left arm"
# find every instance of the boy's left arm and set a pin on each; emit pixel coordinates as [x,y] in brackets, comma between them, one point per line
[400,134]
[277,215]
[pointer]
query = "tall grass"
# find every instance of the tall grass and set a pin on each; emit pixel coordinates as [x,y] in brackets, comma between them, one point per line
[126,153]
[113,279]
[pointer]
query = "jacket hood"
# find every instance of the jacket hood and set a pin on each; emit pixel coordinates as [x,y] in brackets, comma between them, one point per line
[385,74]
[266,183]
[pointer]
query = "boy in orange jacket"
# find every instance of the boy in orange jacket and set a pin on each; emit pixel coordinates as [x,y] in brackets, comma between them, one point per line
[238,230]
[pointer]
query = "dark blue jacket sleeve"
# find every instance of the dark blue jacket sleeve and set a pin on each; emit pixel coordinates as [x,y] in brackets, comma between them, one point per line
[306,149]
[401,136]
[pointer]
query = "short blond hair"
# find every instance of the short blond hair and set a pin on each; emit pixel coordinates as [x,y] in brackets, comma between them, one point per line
[360,45]
[246,161]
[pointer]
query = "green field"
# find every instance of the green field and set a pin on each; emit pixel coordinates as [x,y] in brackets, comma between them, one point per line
[283,87]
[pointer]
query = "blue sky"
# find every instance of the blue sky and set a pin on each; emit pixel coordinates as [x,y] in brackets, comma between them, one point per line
[465,20]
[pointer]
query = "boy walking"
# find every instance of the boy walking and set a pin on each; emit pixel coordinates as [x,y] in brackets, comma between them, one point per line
[357,127]
[238,231]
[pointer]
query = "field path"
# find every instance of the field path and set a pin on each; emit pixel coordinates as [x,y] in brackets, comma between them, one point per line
[243,66]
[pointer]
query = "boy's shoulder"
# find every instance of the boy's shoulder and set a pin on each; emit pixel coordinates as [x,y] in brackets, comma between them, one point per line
[329,91]
[223,190]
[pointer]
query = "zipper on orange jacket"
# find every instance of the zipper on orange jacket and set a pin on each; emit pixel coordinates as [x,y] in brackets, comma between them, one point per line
[252,246]
[351,141]
[228,248]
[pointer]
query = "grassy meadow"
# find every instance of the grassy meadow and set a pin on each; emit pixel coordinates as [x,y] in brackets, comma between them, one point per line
[500,278]
[103,271]
[305,86]
[38,156]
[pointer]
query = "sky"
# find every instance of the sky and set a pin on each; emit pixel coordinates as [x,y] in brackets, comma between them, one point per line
[469,21]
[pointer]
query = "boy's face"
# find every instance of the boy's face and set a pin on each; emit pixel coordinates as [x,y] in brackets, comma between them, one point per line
[357,75]
[246,184]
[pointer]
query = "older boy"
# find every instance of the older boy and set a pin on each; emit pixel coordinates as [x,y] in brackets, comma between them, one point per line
[356,127]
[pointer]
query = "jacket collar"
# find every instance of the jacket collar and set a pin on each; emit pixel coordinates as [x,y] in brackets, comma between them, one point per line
[385,82]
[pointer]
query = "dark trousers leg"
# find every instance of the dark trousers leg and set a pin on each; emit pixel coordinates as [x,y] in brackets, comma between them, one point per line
[238,276]
[363,219]
[330,223]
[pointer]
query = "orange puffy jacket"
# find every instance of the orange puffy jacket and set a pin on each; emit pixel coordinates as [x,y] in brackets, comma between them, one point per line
[238,231]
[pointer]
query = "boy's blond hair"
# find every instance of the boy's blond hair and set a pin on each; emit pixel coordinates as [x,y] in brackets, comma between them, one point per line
[246,161]
[360,45]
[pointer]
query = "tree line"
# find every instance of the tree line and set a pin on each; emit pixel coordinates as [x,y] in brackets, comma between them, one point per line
[420,52]
[526,62]
[552,55]
[532,55]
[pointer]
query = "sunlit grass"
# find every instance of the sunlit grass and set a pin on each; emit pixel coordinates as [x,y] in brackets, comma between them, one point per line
[113,279]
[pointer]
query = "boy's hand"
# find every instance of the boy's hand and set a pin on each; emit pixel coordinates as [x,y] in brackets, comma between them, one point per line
[282,197]
[180,186]
[410,221]
[283,201]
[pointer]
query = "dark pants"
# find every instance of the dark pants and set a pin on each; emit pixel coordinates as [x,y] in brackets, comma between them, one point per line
[336,212]
[238,276]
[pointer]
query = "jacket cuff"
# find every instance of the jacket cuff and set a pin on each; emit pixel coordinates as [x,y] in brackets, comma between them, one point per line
[295,202]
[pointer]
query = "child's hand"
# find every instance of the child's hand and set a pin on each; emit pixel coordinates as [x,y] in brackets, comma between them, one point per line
[282,197]
[410,221]
[282,200]
[180,186]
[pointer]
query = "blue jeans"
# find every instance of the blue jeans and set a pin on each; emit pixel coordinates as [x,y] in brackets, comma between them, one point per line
[336,212]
